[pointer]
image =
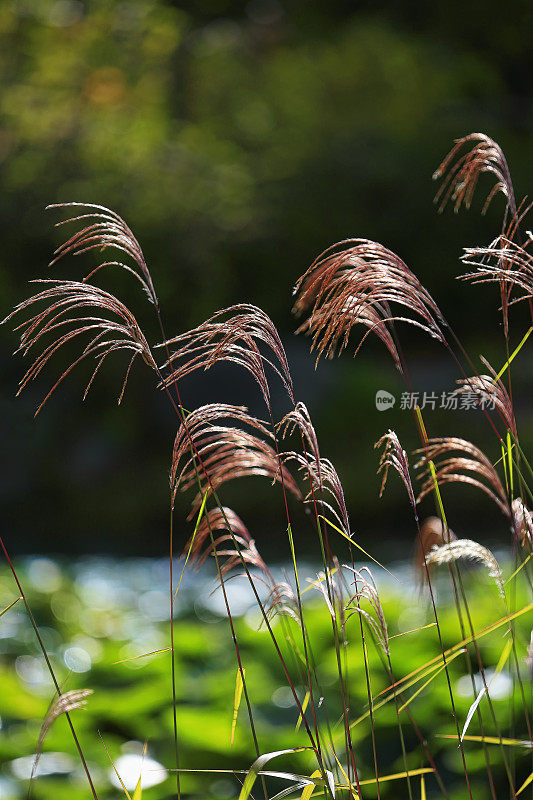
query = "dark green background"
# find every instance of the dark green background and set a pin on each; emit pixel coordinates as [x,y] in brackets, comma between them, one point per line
[238,141]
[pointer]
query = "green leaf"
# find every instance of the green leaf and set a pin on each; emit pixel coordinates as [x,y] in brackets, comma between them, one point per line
[514,353]
[525,784]
[501,663]
[237,701]
[336,528]
[258,765]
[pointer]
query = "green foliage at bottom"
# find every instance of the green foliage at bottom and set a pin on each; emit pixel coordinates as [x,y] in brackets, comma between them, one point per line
[91,625]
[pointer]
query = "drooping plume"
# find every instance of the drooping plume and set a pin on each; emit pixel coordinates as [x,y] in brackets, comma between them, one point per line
[213,521]
[105,229]
[320,473]
[461,169]
[354,282]
[366,589]
[489,391]
[505,261]
[65,703]
[472,466]
[68,310]
[466,548]
[234,334]
[234,544]
[222,531]
[394,456]
[223,452]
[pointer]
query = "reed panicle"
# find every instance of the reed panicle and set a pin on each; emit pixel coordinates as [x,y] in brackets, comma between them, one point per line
[460,171]
[466,548]
[225,525]
[213,521]
[474,468]
[226,452]
[505,262]
[61,704]
[394,456]
[489,391]
[104,230]
[66,310]
[522,523]
[234,335]
[353,283]
[366,589]
[222,526]
[283,601]
[321,475]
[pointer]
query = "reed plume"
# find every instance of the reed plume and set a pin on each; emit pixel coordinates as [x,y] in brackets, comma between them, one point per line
[106,229]
[216,530]
[466,548]
[68,310]
[213,453]
[328,583]
[244,549]
[213,521]
[473,468]
[283,601]
[354,282]
[366,589]
[489,390]
[61,704]
[320,473]
[394,456]
[233,334]
[461,170]
[522,522]
[506,262]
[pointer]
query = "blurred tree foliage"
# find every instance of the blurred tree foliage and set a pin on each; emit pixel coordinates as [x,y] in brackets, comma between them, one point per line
[239,140]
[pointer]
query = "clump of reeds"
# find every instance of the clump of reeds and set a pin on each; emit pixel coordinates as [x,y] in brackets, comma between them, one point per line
[354,283]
